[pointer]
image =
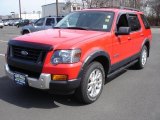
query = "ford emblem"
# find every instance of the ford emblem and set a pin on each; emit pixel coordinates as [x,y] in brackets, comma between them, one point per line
[24,52]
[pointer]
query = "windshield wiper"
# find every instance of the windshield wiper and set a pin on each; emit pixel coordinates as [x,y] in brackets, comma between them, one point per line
[57,27]
[78,28]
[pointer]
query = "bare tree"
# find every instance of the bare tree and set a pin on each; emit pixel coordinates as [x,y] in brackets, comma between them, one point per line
[155,9]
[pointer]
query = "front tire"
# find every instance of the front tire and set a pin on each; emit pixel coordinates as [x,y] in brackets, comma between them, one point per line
[25,32]
[92,83]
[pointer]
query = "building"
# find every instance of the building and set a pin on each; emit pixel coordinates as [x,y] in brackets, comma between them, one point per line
[63,8]
[30,16]
[24,15]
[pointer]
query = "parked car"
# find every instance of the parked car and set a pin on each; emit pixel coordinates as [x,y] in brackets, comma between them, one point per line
[6,23]
[1,24]
[16,22]
[11,22]
[41,24]
[23,23]
[81,52]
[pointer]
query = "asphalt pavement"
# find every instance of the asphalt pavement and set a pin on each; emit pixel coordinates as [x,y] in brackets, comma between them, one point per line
[131,95]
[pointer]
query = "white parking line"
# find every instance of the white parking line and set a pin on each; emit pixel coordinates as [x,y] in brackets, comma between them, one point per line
[3,41]
[2,55]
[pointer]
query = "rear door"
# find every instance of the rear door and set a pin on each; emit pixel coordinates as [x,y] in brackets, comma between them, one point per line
[136,35]
[50,22]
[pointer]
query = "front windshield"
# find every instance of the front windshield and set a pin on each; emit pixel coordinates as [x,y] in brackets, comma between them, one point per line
[90,20]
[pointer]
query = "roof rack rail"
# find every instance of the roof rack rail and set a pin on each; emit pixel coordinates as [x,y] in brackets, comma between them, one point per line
[128,8]
[120,7]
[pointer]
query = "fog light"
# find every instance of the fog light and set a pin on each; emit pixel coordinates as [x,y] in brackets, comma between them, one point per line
[59,77]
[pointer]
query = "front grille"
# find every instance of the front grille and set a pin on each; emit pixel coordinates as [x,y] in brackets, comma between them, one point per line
[28,54]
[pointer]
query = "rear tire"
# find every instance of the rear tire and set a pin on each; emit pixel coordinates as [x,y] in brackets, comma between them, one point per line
[92,83]
[142,60]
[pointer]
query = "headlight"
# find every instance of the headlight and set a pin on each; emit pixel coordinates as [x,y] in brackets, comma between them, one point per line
[66,56]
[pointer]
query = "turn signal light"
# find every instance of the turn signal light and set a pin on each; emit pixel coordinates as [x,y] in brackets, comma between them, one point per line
[59,77]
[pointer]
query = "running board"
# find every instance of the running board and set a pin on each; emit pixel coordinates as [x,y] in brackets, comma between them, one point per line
[122,68]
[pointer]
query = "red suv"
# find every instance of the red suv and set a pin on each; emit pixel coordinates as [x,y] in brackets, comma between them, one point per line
[83,49]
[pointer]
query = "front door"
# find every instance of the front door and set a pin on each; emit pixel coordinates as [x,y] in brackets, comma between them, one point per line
[122,44]
[39,24]
[50,22]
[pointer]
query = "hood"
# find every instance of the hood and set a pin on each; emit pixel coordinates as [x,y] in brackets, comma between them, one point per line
[59,37]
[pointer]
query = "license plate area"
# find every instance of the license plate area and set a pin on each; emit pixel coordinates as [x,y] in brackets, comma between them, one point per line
[20,79]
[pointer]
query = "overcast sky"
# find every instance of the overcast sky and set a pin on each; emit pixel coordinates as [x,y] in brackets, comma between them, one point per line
[8,6]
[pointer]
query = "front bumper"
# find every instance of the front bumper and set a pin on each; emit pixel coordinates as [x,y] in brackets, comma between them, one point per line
[44,82]
[41,83]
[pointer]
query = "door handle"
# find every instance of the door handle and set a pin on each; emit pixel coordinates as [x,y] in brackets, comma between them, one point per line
[129,38]
[141,34]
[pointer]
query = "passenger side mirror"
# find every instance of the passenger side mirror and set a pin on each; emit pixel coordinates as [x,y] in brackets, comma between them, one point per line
[123,31]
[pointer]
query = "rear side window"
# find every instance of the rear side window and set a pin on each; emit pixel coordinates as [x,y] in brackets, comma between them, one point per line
[145,22]
[134,22]
[58,19]
[50,21]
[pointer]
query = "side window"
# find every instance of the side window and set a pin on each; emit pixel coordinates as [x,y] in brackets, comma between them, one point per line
[122,22]
[39,22]
[58,19]
[145,22]
[50,21]
[134,22]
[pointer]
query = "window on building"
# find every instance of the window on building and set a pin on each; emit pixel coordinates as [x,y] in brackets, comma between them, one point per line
[78,8]
[74,8]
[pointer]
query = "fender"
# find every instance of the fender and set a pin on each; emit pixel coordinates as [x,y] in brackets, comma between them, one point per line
[27,29]
[91,57]
[144,42]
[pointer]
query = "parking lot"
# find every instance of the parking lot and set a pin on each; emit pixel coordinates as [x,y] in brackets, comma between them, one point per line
[131,95]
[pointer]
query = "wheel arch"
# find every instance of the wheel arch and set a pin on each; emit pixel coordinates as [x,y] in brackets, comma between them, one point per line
[99,56]
[147,44]
[24,30]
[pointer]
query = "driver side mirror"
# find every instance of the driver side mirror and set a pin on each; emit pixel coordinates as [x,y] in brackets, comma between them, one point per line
[123,31]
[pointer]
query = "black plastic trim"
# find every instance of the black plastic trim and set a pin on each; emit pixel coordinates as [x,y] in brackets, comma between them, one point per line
[90,58]
[22,64]
[122,63]
[26,64]
[122,68]
[32,45]
[144,42]
[61,86]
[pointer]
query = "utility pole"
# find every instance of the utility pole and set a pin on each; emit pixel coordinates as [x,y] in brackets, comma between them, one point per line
[57,7]
[135,2]
[120,3]
[20,9]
